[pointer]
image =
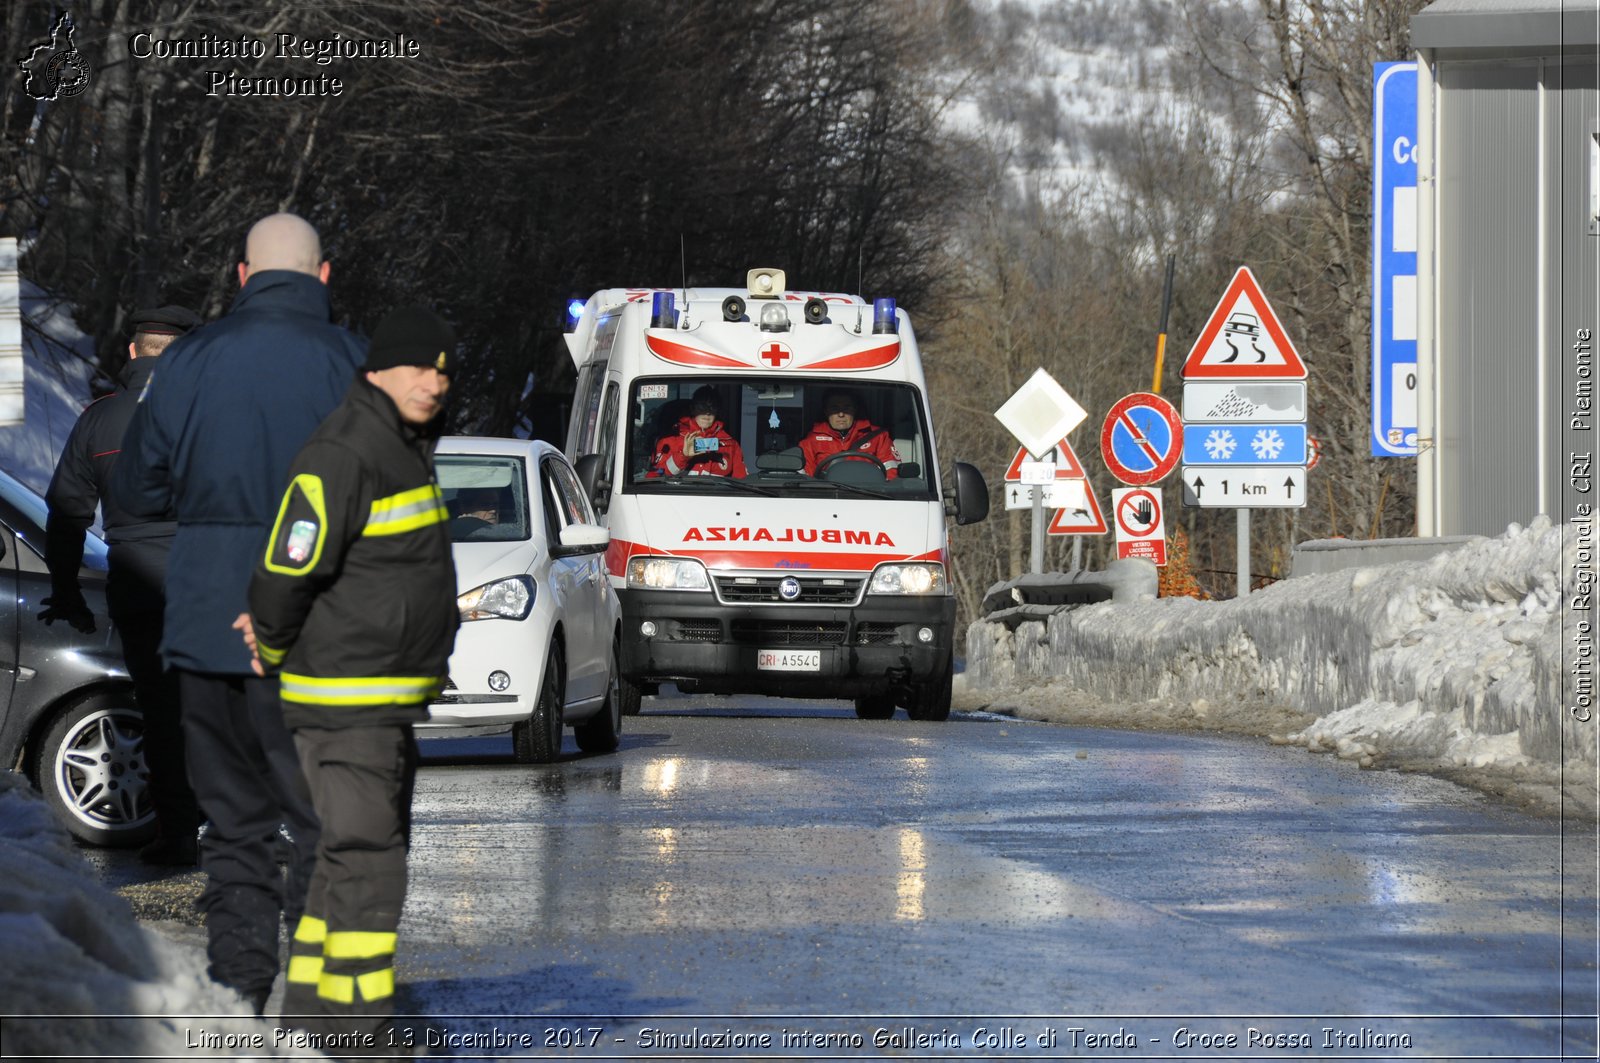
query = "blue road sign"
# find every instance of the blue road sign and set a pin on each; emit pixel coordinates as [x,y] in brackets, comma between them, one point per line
[1140,438]
[1394,260]
[1244,444]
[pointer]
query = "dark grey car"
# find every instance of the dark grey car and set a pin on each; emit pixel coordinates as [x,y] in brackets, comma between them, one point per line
[67,715]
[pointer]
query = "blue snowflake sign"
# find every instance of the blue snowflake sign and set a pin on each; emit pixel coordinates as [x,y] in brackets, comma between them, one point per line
[1244,444]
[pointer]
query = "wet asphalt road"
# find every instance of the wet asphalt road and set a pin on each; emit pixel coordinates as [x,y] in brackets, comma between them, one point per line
[746,867]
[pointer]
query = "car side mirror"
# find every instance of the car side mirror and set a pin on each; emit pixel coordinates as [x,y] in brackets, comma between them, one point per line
[581,539]
[968,500]
[590,469]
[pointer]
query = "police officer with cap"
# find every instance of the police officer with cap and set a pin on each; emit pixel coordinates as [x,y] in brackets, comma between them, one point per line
[138,555]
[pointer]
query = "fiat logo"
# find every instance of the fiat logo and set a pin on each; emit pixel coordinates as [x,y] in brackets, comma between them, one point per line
[789,589]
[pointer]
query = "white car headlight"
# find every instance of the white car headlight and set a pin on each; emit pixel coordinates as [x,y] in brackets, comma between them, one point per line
[504,599]
[911,578]
[668,574]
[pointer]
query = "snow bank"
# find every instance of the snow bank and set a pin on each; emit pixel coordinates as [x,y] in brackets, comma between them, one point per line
[77,959]
[1451,663]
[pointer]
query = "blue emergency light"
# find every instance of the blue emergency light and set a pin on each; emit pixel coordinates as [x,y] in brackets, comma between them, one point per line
[662,312]
[574,311]
[883,316]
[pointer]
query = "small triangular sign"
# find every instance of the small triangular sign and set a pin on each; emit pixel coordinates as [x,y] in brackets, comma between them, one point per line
[1090,521]
[1068,467]
[1243,339]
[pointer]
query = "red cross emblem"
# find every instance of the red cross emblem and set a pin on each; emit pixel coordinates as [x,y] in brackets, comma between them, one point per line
[776,355]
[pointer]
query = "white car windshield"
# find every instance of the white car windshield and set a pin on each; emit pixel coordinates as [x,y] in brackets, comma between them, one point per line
[486,497]
[804,436]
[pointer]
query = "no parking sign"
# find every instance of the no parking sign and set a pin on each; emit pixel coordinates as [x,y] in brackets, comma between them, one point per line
[1142,438]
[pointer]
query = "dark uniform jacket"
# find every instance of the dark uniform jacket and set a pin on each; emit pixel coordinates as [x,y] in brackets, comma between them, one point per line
[139,544]
[355,597]
[228,408]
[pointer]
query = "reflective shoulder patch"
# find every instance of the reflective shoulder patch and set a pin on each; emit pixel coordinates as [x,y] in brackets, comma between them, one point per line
[301,528]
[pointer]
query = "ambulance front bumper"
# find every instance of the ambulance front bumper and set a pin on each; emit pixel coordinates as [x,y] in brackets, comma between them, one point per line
[882,645]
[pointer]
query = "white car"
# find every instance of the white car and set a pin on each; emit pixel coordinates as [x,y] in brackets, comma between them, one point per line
[537,648]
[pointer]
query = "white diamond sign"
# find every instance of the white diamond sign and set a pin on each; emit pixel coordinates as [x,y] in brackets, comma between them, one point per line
[1040,413]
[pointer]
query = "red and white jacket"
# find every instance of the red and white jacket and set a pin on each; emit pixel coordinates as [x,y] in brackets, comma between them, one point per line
[671,460]
[823,442]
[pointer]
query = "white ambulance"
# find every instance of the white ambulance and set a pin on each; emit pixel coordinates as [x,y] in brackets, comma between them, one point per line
[793,541]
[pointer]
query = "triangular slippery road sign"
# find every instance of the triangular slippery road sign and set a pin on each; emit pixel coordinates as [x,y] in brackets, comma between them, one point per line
[1243,339]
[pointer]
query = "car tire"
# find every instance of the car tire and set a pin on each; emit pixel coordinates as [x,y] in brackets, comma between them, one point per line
[931,700]
[602,732]
[537,740]
[92,772]
[875,707]
[629,694]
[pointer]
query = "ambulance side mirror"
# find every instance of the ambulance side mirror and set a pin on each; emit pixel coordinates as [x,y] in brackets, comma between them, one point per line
[968,500]
[589,469]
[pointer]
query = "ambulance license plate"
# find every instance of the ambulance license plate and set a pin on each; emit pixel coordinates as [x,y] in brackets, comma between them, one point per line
[789,660]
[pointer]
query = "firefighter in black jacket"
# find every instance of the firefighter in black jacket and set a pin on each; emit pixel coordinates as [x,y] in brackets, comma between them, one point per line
[138,557]
[354,607]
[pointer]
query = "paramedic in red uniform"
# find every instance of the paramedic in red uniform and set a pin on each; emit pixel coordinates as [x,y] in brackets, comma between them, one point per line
[700,446]
[353,608]
[840,430]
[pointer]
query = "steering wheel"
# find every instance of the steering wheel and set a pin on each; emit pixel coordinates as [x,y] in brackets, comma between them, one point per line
[850,455]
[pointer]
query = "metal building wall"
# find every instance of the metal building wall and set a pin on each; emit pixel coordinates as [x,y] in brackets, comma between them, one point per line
[1572,250]
[1488,225]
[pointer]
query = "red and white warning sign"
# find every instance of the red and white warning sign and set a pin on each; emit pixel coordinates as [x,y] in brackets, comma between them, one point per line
[1086,519]
[1141,523]
[1243,338]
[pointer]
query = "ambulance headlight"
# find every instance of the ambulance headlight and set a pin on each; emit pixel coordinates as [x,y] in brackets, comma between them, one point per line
[668,574]
[504,599]
[774,318]
[914,578]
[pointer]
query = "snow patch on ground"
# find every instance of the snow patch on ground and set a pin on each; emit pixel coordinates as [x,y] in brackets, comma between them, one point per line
[76,958]
[1452,665]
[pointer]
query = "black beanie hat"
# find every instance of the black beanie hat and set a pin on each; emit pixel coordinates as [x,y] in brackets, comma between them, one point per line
[412,335]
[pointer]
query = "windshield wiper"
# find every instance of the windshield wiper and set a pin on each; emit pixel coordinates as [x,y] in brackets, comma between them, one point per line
[839,485]
[707,481]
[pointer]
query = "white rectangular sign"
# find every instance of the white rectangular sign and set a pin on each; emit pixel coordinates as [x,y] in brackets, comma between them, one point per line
[1244,486]
[1058,494]
[1037,472]
[1253,401]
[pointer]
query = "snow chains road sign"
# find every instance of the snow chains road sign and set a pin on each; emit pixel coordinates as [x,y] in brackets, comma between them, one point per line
[1141,439]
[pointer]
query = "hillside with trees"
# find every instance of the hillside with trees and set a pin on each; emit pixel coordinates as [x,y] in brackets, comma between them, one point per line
[1015,174]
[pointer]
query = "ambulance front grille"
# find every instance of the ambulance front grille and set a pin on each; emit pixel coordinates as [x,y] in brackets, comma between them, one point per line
[787,633]
[814,590]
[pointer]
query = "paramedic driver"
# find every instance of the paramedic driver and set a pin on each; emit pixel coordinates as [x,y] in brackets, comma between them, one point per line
[840,430]
[701,446]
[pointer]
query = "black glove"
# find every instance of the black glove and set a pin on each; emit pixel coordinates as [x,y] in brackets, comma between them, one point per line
[70,608]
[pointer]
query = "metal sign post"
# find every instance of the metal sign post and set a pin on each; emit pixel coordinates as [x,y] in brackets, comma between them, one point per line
[1242,549]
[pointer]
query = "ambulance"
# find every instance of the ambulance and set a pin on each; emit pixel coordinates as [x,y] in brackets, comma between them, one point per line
[761,554]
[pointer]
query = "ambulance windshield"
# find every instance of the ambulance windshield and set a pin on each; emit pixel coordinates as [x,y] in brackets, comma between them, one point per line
[800,437]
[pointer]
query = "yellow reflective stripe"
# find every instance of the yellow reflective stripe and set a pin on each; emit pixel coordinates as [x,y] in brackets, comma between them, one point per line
[311,487]
[269,655]
[339,988]
[375,985]
[305,970]
[358,945]
[407,511]
[358,690]
[311,930]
